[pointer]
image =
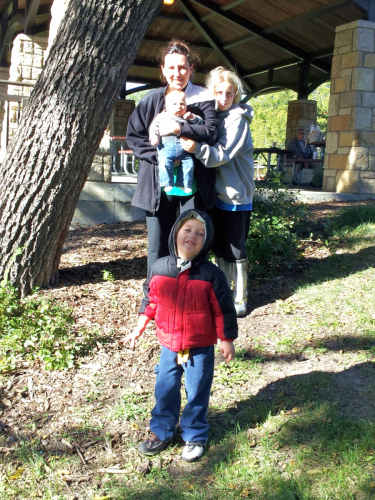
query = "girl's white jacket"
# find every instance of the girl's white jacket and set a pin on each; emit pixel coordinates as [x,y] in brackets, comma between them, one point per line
[233,154]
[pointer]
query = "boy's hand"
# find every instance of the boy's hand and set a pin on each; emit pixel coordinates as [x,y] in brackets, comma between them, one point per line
[227,350]
[188,144]
[137,332]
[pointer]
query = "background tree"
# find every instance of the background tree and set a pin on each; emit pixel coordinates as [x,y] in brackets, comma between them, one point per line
[269,124]
[50,157]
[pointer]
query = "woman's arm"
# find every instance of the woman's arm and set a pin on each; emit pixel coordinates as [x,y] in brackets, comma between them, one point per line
[206,132]
[137,134]
[233,141]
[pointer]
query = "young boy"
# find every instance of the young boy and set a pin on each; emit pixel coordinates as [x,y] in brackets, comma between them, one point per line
[191,303]
[169,147]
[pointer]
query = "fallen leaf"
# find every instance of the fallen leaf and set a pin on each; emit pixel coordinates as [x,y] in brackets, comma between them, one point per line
[314,471]
[296,409]
[6,402]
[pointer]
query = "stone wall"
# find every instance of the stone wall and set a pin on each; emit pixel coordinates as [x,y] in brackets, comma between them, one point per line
[350,147]
[119,122]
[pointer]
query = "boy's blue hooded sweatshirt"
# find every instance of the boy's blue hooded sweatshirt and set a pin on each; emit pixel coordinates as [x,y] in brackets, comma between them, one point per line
[192,305]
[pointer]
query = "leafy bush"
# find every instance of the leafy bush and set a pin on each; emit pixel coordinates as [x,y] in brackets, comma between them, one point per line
[277,223]
[34,328]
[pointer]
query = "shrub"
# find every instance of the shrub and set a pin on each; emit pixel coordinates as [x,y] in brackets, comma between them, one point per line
[278,221]
[34,328]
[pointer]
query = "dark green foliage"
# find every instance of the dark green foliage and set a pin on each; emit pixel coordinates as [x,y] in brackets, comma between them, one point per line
[277,223]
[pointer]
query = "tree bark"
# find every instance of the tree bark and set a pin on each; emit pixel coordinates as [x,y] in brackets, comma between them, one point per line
[50,157]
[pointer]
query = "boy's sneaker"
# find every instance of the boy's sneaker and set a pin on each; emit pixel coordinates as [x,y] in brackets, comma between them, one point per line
[153,445]
[192,451]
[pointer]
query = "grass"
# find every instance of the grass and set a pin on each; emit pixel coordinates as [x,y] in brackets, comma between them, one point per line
[293,439]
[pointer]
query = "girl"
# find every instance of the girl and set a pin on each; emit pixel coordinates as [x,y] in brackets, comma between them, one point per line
[161,207]
[233,155]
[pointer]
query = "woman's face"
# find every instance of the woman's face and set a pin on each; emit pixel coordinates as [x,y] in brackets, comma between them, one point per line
[224,95]
[177,71]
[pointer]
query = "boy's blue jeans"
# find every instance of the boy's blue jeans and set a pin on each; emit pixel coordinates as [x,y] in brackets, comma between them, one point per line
[169,150]
[199,371]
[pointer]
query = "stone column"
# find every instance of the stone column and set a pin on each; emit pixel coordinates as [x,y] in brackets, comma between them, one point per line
[301,114]
[27,61]
[349,165]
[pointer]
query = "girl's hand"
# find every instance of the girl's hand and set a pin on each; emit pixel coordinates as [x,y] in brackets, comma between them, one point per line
[169,127]
[227,350]
[188,144]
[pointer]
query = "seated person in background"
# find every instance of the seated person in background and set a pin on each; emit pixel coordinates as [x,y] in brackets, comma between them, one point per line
[300,150]
[169,147]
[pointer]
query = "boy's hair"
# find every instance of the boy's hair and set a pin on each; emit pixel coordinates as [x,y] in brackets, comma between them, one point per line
[219,75]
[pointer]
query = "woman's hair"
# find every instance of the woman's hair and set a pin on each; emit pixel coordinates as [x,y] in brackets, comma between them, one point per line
[219,75]
[178,47]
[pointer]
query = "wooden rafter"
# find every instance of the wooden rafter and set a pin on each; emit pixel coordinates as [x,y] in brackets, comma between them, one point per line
[161,40]
[211,38]
[257,30]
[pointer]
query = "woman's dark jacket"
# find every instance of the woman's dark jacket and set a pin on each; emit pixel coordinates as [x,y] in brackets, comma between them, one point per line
[147,193]
[193,307]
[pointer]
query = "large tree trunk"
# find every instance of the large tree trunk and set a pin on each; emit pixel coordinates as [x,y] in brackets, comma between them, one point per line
[50,157]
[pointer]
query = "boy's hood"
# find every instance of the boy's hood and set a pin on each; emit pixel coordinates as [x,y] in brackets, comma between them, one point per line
[209,228]
[239,109]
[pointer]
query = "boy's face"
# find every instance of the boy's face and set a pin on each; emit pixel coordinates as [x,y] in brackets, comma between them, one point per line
[190,239]
[176,103]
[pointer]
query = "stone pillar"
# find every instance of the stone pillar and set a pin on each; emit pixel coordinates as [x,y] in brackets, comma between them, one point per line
[27,61]
[121,113]
[349,165]
[301,114]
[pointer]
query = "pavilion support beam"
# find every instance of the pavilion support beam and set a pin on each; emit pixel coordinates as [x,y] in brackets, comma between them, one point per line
[226,7]
[349,163]
[211,38]
[303,83]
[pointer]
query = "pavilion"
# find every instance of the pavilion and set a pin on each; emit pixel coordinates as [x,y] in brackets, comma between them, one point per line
[271,44]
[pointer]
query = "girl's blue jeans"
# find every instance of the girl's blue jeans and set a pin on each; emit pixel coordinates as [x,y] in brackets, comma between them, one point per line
[199,371]
[169,150]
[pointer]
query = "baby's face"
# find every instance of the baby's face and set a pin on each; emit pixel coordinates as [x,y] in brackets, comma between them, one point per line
[176,104]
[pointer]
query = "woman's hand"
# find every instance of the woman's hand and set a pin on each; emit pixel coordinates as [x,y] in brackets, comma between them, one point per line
[169,127]
[188,145]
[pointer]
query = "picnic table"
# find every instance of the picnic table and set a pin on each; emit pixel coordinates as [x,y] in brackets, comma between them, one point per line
[266,153]
[310,162]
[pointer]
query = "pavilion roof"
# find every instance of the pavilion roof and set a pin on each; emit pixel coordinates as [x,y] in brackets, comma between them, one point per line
[272,44]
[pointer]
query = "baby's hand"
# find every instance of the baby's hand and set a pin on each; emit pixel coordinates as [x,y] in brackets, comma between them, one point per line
[189,115]
[154,140]
[227,350]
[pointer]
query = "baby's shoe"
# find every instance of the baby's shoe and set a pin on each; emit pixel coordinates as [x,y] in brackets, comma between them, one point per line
[168,188]
[192,451]
[188,190]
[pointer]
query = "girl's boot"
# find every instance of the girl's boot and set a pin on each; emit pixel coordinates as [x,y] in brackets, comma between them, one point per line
[240,286]
[227,268]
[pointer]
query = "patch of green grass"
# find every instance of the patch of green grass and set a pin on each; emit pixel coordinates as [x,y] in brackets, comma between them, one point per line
[132,407]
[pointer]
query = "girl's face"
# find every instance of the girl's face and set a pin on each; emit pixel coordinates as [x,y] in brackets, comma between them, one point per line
[177,71]
[224,95]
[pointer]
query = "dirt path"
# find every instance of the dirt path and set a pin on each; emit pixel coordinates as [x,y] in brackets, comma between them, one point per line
[88,411]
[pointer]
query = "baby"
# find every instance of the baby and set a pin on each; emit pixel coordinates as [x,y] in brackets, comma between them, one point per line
[169,147]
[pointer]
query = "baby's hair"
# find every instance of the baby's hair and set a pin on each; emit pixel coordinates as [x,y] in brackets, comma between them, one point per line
[219,75]
[169,95]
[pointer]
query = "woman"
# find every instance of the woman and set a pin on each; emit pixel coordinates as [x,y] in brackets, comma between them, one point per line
[233,155]
[161,208]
